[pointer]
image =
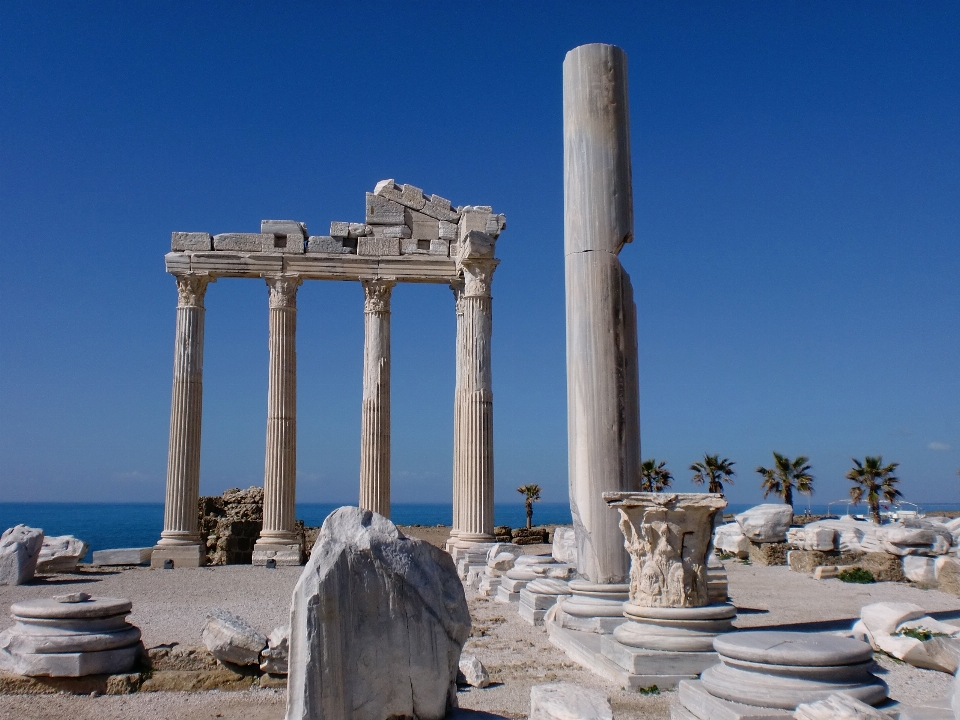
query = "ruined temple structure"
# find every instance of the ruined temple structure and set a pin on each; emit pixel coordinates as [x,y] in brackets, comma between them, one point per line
[406,236]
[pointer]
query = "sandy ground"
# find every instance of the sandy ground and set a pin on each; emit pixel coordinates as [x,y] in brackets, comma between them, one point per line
[169,606]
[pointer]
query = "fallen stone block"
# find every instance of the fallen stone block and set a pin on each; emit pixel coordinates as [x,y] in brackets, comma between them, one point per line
[274,658]
[568,701]
[767,523]
[729,538]
[883,618]
[920,569]
[231,639]
[378,621]
[885,567]
[838,707]
[122,556]
[472,673]
[768,553]
[825,572]
[60,554]
[502,562]
[19,552]
[191,242]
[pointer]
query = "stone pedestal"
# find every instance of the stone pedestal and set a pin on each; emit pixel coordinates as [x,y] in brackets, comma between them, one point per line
[180,541]
[768,674]
[70,636]
[539,596]
[278,539]
[602,382]
[375,421]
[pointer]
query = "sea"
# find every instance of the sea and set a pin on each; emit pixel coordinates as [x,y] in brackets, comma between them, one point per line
[120,525]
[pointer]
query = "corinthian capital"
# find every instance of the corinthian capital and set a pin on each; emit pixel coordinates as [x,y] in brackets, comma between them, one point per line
[478,276]
[283,290]
[376,294]
[191,289]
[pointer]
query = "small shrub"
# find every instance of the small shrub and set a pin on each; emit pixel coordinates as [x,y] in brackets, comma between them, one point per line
[746,562]
[921,634]
[856,575]
[652,690]
[724,555]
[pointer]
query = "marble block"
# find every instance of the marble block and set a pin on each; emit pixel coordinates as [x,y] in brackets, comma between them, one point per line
[284,227]
[61,554]
[440,208]
[70,636]
[19,552]
[273,659]
[123,556]
[768,522]
[539,596]
[392,231]
[568,701]
[191,242]
[241,242]
[330,244]
[381,211]
[447,230]
[378,246]
[231,639]
[407,195]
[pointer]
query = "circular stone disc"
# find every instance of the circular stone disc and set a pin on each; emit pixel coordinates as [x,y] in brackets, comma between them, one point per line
[95,607]
[788,648]
[585,587]
[719,611]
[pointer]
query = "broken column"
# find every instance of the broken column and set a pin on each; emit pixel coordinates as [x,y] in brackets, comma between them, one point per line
[602,382]
[180,540]
[375,421]
[278,539]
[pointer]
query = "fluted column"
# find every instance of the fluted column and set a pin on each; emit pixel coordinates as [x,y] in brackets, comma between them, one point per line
[375,420]
[278,540]
[473,415]
[180,540]
[457,288]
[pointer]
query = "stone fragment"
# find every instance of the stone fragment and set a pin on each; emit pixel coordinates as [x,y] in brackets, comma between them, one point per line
[502,562]
[920,569]
[378,621]
[565,545]
[816,538]
[767,523]
[191,242]
[231,639]
[838,707]
[241,242]
[447,230]
[358,230]
[60,554]
[729,538]
[284,227]
[825,572]
[381,211]
[332,245]
[439,208]
[123,556]
[937,653]
[273,660]
[407,195]
[340,229]
[472,672]
[948,575]
[19,552]
[72,597]
[391,231]
[768,553]
[885,567]
[883,618]
[378,246]
[568,701]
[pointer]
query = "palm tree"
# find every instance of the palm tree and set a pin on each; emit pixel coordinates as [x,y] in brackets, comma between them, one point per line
[714,472]
[532,493]
[785,475]
[872,479]
[654,476]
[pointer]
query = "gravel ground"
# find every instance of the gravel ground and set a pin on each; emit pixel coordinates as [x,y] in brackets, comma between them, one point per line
[169,606]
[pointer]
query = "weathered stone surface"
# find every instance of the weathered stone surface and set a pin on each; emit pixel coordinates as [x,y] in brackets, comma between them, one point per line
[191,242]
[331,245]
[502,562]
[340,229]
[885,567]
[476,245]
[948,575]
[838,707]
[242,242]
[812,537]
[391,231]
[378,621]
[439,208]
[274,658]
[181,657]
[565,545]
[473,673]
[568,701]
[447,230]
[378,246]
[767,523]
[893,628]
[920,569]
[19,552]
[407,195]
[381,211]
[120,684]
[805,561]
[221,678]
[60,554]
[230,525]
[231,639]
[883,618]
[729,538]
[122,556]
[284,227]
[769,553]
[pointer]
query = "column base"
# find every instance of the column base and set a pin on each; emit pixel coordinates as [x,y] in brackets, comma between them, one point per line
[593,608]
[291,554]
[182,556]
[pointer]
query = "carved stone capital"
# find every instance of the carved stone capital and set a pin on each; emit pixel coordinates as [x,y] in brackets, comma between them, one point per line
[283,290]
[191,289]
[376,294]
[478,276]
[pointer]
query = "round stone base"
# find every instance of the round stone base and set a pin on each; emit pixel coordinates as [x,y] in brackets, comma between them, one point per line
[674,629]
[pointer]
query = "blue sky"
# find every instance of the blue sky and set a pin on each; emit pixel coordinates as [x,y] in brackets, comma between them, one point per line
[796,262]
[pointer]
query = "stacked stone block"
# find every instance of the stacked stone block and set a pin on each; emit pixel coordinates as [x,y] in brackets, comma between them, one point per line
[231,524]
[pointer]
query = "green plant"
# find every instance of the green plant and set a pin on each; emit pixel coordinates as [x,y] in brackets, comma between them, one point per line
[921,634]
[723,555]
[785,475]
[532,495]
[873,480]
[713,471]
[856,575]
[651,690]
[654,476]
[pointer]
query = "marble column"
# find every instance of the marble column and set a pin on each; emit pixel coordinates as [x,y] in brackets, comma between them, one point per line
[457,288]
[278,539]
[602,383]
[180,541]
[473,413]
[375,421]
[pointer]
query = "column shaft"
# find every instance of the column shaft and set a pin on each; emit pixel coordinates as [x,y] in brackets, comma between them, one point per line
[375,419]
[455,529]
[180,540]
[278,538]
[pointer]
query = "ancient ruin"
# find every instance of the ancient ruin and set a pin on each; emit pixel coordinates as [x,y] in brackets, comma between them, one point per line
[406,237]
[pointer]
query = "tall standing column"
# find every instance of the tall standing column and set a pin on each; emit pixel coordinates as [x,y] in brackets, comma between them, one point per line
[180,540]
[457,288]
[375,421]
[473,413]
[603,430]
[278,540]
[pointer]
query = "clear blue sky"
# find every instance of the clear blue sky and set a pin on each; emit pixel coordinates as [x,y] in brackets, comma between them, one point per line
[797,252]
